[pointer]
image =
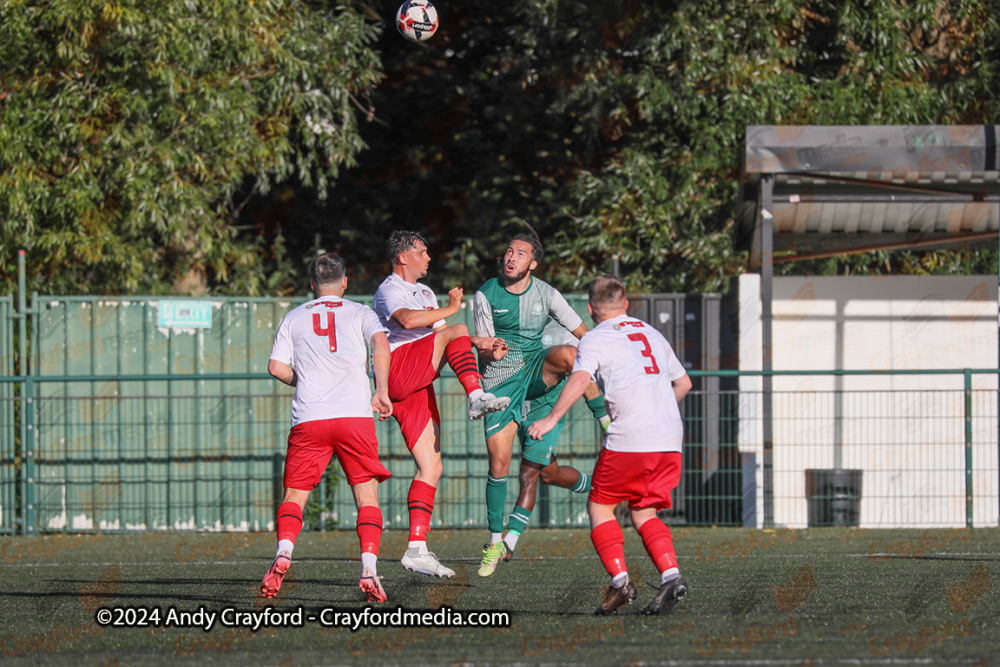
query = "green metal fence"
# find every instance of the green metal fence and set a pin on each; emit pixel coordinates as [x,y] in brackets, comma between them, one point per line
[8,420]
[123,424]
[138,426]
[142,426]
[906,457]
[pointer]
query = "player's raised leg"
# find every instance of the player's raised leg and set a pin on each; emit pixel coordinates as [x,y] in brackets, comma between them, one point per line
[659,545]
[453,345]
[369,529]
[609,542]
[420,502]
[288,526]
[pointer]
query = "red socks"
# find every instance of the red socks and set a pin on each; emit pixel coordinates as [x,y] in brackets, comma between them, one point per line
[369,528]
[610,544]
[289,523]
[659,544]
[420,501]
[463,362]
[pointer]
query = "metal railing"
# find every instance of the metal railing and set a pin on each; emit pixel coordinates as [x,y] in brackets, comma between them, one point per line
[168,452]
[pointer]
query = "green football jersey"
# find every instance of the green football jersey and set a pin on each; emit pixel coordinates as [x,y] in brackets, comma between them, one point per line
[520,320]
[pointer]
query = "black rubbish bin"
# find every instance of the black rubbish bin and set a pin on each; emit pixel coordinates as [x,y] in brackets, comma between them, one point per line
[834,497]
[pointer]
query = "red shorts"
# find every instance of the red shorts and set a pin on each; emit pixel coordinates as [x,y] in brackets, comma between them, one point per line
[411,388]
[312,444]
[644,479]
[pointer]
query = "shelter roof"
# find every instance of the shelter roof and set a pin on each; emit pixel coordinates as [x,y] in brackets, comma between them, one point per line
[842,189]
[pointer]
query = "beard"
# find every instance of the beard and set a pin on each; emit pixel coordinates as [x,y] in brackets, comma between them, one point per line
[513,277]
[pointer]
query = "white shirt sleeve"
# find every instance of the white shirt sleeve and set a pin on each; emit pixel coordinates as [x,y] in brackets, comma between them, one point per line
[482,316]
[389,299]
[370,324]
[563,313]
[587,358]
[282,349]
[675,369]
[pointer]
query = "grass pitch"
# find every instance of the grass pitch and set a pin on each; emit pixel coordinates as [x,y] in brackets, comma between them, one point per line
[784,597]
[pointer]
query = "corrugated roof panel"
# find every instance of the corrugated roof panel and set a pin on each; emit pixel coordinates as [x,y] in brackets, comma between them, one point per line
[827,215]
[866,216]
[853,212]
[853,217]
[878,217]
[898,218]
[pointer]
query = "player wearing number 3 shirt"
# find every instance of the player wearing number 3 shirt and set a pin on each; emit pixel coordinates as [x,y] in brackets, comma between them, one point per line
[321,349]
[640,462]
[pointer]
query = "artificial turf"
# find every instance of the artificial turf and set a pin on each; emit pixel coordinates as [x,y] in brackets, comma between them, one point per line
[817,596]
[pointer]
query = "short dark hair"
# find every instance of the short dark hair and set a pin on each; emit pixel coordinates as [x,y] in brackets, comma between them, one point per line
[606,291]
[537,250]
[400,241]
[327,269]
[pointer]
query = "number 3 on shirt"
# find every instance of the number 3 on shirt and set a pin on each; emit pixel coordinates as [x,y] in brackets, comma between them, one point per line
[331,329]
[646,352]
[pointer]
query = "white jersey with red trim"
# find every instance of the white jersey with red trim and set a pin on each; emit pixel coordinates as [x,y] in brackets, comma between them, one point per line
[395,293]
[634,366]
[326,340]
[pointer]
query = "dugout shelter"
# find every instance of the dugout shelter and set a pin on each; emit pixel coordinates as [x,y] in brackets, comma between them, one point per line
[809,192]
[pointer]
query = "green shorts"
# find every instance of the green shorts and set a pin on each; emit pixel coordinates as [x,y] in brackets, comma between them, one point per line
[540,451]
[526,384]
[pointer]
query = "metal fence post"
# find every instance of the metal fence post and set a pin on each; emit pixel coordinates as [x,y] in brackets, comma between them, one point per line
[27,394]
[969,500]
[766,296]
[28,447]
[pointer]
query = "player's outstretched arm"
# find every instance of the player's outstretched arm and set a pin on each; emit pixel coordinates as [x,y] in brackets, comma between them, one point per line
[380,363]
[417,319]
[575,386]
[282,372]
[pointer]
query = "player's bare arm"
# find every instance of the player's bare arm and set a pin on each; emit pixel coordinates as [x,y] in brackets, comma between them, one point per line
[490,348]
[575,386]
[282,372]
[579,331]
[416,319]
[380,363]
[682,386]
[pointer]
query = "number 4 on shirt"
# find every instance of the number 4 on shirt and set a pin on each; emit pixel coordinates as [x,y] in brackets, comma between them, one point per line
[331,329]
[646,352]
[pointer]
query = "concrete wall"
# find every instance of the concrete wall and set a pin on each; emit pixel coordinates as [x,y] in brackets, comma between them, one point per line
[906,432]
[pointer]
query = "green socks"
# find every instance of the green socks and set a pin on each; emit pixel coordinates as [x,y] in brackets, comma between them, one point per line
[496,499]
[597,407]
[517,522]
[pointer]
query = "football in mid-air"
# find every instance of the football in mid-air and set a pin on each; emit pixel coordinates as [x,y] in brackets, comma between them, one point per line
[417,20]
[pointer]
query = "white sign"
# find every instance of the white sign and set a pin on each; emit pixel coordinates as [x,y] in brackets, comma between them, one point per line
[186,314]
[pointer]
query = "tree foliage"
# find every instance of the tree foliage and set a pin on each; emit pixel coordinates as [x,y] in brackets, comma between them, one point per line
[126,127]
[615,129]
[707,70]
[612,129]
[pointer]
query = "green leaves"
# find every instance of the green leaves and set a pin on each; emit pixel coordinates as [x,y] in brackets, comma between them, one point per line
[126,128]
[224,143]
[706,71]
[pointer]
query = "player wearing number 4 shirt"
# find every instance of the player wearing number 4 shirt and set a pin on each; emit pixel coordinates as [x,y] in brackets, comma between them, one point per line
[421,344]
[643,383]
[321,349]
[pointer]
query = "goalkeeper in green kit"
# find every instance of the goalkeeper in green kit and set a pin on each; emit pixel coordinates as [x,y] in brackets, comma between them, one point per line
[514,308]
